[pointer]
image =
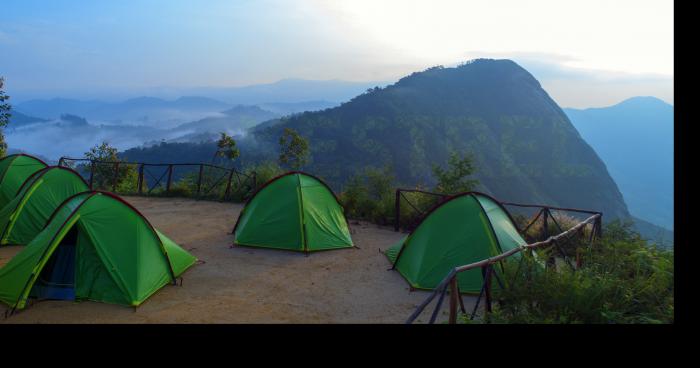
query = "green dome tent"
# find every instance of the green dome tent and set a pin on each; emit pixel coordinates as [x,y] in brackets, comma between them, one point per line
[294,211]
[14,171]
[465,228]
[25,215]
[95,247]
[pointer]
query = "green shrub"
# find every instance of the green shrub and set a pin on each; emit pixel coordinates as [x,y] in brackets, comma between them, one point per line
[369,196]
[622,280]
[264,172]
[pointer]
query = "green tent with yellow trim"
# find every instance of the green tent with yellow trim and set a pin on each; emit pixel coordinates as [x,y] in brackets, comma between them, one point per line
[463,229]
[94,247]
[44,191]
[14,171]
[294,211]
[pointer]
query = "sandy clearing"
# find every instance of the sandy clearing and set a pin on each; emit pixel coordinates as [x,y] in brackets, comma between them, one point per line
[249,285]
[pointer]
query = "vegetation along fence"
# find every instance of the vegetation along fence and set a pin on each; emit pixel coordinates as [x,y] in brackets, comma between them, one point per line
[488,273]
[545,220]
[203,181]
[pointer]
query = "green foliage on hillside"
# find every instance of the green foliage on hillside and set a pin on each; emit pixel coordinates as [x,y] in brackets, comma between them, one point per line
[454,179]
[226,148]
[294,149]
[523,144]
[4,116]
[369,195]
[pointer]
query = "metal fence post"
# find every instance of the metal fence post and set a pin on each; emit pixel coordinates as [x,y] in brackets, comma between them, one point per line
[140,179]
[170,178]
[228,186]
[397,209]
[92,173]
[486,271]
[116,177]
[199,180]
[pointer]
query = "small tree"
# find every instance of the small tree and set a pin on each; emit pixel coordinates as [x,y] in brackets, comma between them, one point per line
[104,174]
[4,116]
[454,179]
[294,149]
[226,148]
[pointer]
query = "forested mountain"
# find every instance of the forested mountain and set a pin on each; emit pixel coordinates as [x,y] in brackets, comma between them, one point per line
[19,119]
[635,140]
[525,147]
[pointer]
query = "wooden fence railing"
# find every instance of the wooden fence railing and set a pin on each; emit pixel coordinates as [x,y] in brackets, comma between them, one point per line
[152,176]
[545,212]
[450,281]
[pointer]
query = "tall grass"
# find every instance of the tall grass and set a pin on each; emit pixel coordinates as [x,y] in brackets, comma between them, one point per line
[622,280]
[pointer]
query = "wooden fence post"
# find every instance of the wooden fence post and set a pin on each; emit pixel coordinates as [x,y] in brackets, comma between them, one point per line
[454,295]
[199,180]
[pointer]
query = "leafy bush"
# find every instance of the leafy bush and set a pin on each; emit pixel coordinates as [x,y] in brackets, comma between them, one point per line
[569,248]
[264,172]
[122,178]
[622,280]
[369,195]
[454,180]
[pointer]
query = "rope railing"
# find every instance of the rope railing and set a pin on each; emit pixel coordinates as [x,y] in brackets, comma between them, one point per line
[487,271]
[160,176]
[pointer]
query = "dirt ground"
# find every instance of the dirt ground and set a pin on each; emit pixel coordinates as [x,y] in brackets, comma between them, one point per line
[249,285]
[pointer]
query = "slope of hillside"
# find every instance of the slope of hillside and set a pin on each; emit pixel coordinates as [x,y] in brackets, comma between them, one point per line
[18,119]
[524,145]
[233,120]
[635,140]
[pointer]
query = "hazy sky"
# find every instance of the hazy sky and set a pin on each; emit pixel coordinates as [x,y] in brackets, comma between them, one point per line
[585,53]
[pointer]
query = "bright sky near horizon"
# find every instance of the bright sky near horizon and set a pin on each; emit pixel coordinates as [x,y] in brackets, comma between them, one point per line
[583,52]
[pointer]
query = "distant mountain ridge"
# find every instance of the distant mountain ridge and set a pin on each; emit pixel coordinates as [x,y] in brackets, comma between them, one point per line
[635,140]
[19,119]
